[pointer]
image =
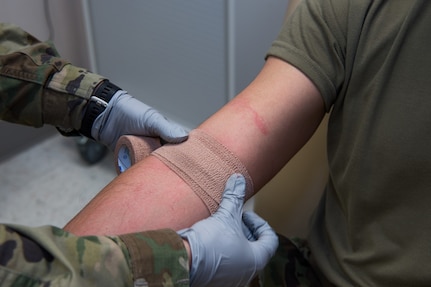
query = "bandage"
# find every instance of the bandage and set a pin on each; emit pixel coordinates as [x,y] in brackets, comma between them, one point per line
[205,165]
[131,149]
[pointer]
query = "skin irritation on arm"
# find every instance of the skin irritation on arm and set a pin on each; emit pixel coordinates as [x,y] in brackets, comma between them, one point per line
[267,123]
[259,122]
[264,126]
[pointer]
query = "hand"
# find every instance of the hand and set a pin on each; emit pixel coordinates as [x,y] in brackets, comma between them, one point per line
[221,254]
[126,115]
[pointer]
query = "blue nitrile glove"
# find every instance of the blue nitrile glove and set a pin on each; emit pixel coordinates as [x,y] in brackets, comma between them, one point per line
[221,253]
[126,115]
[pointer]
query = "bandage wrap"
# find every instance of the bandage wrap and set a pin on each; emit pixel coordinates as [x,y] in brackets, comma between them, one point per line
[205,165]
[131,149]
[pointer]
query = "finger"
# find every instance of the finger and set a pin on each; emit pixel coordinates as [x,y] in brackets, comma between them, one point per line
[266,240]
[247,232]
[233,197]
[173,134]
[256,224]
[167,130]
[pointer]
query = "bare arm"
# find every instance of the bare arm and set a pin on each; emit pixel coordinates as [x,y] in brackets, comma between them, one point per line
[264,126]
[270,120]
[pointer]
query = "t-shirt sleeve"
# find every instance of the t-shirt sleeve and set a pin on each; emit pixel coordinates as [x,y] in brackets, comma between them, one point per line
[313,40]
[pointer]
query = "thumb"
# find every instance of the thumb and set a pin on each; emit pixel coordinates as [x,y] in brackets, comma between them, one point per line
[233,197]
[167,130]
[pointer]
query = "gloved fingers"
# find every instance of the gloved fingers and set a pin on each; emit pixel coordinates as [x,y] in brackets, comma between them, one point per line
[257,225]
[164,128]
[266,239]
[247,232]
[233,197]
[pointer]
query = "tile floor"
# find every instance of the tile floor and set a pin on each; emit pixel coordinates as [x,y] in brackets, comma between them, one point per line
[49,183]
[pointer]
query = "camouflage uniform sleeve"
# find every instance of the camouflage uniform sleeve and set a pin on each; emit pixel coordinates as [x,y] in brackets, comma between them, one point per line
[37,86]
[49,256]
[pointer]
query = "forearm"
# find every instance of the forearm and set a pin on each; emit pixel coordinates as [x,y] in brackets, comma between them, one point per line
[261,127]
[147,196]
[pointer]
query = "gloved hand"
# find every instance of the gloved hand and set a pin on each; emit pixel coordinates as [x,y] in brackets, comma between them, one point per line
[126,115]
[221,253]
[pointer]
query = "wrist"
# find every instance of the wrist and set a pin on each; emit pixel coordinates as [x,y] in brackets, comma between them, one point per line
[96,105]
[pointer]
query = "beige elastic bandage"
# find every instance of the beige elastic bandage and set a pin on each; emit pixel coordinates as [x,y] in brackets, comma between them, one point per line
[205,165]
[131,149]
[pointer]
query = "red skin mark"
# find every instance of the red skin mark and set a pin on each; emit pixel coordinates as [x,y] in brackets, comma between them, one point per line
[259,122]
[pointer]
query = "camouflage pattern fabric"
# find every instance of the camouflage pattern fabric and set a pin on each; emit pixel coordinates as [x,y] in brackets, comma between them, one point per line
[37,86]
[289,267]
[49,256]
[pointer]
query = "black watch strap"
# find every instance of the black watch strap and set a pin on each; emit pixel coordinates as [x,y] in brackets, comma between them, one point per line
[96,105]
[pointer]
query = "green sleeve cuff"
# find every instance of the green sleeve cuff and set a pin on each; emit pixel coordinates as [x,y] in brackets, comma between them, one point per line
[158,257]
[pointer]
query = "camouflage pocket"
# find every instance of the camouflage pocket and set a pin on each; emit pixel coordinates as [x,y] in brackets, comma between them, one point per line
[289,266]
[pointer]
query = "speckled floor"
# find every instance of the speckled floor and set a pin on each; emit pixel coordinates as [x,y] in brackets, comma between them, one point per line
[49,183]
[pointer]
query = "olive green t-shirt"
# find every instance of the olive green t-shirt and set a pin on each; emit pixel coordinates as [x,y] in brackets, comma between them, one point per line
[371,61]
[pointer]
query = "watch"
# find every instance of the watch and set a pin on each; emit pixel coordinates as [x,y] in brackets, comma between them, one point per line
[96,105]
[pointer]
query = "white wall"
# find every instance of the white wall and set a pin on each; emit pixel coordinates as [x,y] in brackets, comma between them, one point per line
[186,58]
[67,24]
[256,24]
